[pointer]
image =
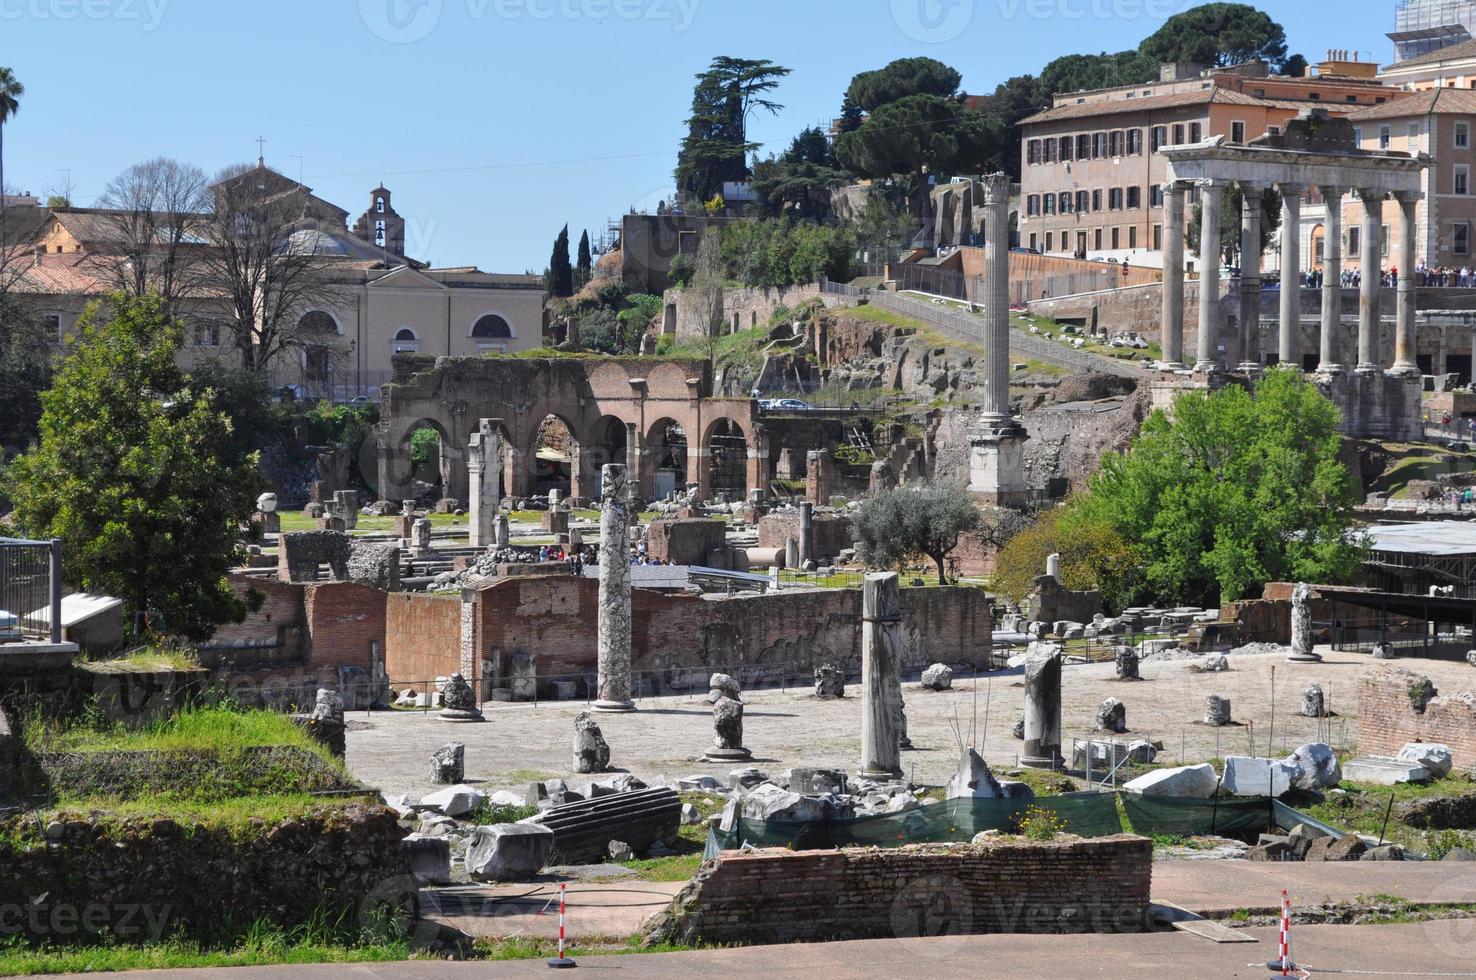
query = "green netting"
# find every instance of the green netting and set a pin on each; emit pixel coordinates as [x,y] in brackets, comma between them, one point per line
[1086,814]
[1162,815]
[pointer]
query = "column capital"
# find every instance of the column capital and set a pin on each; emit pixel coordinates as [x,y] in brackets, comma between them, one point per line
[996,188]
[1407,198]
[1332,192]
[1212,184]
[1173,186]
[1369,195]
[1291,191]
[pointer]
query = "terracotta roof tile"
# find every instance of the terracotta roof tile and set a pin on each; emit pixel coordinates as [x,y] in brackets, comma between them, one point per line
[1114,107]
[1440,101]
[1451,52]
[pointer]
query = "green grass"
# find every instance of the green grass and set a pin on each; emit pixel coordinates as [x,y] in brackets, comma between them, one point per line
[240,816]
[149,660]
[296,520]
[1362,810]
[877,314]
[18,960]
[218,729]
[520,948]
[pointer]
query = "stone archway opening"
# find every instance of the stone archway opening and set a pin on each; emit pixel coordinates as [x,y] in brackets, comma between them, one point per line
[606,443]
[428,448]
[666,450]
[727,453]
[555,451]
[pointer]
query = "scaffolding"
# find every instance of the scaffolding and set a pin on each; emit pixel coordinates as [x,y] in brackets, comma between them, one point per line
[1423,26]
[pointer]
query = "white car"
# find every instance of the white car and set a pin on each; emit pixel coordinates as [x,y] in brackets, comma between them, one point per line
[9,626]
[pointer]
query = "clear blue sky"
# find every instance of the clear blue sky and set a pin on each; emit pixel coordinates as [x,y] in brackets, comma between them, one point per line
[495,121]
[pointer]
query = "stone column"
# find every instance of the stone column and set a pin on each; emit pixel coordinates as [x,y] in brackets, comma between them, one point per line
[1043,711]
[806,531]
[501,533]
[1289,339]
[1250,277]
[997,299]
[633,461]
[1332,287]
[613,644]
[484,470]
[1173,275]
[1301,625]
[1406,335]
[1211,195]
[1371,291]
[881,685]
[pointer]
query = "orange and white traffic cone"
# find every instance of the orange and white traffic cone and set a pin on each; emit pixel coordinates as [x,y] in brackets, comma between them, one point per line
[563,962]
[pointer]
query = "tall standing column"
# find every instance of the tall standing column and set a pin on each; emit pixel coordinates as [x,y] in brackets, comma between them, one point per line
[1406,338]
[484,472]
[613,642]
[1371,291]
[1211,194]
[997,299]
[633,462]
[1043,710]
[997,441]
[1289,328]
[1250,277]
[1173,275]
[1332,285]
[881,683]
[806,532]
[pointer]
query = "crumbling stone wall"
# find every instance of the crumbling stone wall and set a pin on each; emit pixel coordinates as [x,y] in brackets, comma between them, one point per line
[345,859]
[375,564]
[1396,706]
[685,542]
[774,895]
[299,553]
[832,532]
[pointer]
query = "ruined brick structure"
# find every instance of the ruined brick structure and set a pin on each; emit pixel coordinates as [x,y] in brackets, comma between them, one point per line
[1396,706]
[832,532]
[685,542]
[775,895]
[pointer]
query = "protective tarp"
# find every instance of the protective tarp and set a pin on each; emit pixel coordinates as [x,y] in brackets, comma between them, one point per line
[1086,814]
[1152,816]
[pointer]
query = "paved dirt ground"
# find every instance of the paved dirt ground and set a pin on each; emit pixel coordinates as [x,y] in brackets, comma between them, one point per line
[522,742]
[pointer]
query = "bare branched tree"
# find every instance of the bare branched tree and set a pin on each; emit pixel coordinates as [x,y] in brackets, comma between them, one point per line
[266,255]
[154,231]
[707,289]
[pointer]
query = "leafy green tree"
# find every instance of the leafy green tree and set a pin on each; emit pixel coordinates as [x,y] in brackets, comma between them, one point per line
[909,523]
[1094,556]
[871,90]
[918,135]
[716,147]
[1236,489]
[882,228]
[130,474]
[1075,72]
[1232,208]
[560,275]
[1013,100]
[425,450]
[1219,35]
[798,182]
[584,270]
[27,347]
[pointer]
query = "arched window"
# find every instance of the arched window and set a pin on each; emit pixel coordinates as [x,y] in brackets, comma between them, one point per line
[405,342]
[317,322]
[379,204]
[492,327]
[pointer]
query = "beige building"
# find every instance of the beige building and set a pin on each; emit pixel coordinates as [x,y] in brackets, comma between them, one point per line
[374,302]
[1091,174]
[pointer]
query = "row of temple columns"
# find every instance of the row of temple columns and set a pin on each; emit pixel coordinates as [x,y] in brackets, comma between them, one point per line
[1212,197]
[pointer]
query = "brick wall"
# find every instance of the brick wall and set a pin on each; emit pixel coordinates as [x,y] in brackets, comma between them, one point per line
[343,619]
[1393,710]
[775,895]
[685,542]
[833,532]
[555,620]
[279,620]
[421,637]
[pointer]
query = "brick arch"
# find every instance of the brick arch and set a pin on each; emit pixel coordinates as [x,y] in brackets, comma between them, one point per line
[396,470]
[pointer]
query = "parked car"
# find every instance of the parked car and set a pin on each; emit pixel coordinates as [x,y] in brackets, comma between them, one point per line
[793,405]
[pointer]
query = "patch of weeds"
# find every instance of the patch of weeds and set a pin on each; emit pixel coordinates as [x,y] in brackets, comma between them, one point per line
[488,814]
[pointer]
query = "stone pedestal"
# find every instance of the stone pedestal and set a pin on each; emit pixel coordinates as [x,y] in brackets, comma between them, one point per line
[1043,711]
[484,471]
[500,532]
[997,465]
[614,602]
[881,686]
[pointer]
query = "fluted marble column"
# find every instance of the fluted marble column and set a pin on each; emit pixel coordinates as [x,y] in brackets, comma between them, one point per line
[1332,287]
[997,299]
[1211,196]
[1289,329]
[1406,339]
[1250,276]
[1371,286]
[1173,275]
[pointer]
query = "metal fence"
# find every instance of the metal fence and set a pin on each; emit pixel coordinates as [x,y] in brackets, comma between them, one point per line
[970,329]
[30,590]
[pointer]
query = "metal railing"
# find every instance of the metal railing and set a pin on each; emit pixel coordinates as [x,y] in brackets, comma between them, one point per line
[30,591]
